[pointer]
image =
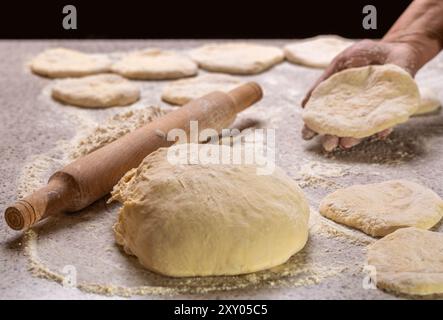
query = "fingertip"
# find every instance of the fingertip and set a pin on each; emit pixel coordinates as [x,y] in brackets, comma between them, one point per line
[306,98]
[303,102]
[330,143]
[307,133]
[349,142]
[382,135]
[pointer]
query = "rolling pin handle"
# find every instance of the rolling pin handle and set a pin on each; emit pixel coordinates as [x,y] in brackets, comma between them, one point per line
[20,216]
[56,196]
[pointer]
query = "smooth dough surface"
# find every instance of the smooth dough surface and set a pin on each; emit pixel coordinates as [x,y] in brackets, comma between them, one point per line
[203,220]
[429,102]
[381,208]
[360,102]
[317,52]
[155,64]
[182,91]
[237,58]
[409,261]
[62,63]
[98,91]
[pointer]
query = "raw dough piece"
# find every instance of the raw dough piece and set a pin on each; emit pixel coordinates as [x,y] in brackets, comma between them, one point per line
[203,220]
[181,92]
[237,58]
[317,52]
[62,63]
[360,102]
[99,91]
[155,64]
[409,261]
[429,102]
[381,208]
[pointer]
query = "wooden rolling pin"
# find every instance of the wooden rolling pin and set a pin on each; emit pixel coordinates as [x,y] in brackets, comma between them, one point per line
[92,176]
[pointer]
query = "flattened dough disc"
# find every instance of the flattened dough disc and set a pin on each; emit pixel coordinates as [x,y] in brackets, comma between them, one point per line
[155,64]
[429,102]
[182,91]
[98,91]
[317,52]
[360,102]
[381,208]
[62,63]
[409,261]
[237,58]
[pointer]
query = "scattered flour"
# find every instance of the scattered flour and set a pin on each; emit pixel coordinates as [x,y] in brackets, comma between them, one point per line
[38,168]
[318,174]
[112,129]
[302,269]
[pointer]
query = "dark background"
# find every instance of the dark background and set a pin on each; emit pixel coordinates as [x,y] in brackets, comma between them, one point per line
[129,19]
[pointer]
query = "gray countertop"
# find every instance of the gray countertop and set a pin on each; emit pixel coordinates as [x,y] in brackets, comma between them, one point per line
[32,124]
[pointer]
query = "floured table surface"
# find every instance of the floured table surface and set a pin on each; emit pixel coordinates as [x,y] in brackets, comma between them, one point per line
[39,135]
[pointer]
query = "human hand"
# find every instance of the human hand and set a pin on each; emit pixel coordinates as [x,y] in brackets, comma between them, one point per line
[363,53]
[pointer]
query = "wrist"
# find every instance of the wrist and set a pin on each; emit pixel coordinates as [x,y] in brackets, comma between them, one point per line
[423,46]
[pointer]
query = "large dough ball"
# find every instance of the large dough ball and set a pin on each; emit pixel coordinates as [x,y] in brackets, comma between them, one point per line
[203,220]
[360,102]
